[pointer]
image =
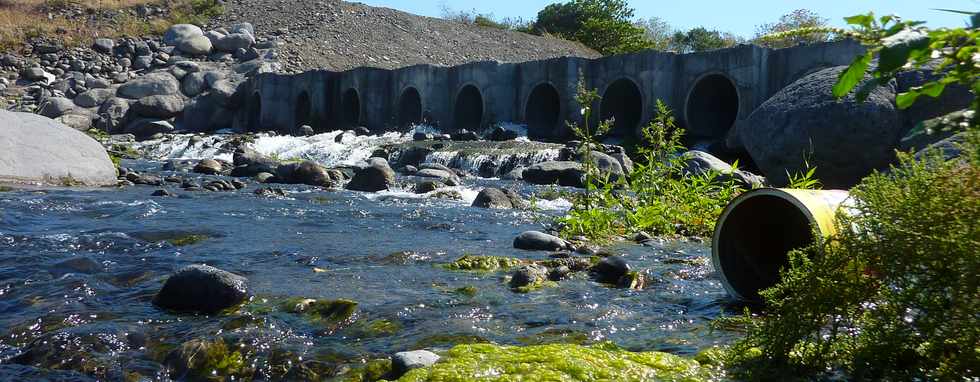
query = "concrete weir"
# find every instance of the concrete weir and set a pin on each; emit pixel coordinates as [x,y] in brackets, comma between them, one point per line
[708,91]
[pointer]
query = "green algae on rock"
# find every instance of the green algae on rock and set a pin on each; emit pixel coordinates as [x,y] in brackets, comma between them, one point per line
[558,362]
[483,263]
[330,314]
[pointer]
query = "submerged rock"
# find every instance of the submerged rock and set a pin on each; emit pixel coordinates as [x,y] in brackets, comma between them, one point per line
[564,173]
[483,263]
[528,277]
[539,241]
[203,289]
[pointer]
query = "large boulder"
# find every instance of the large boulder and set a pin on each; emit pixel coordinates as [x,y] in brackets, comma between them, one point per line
[234,41]
[377,176]
[698,162]
[492,197]
[447,177]
[161,83]
[564,173]
[406,361]
[179,32]
[94,97]
[35,149]
[145,128]
[202,289]
[205,113]
[55,107]
[113,115]
[195,46]
[307,172]
[250,163]
[159,106]
[954,97]
[846,140]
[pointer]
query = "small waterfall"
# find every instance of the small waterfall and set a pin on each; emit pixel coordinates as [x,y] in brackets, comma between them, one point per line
[333,149]
[186,146]
[491,165]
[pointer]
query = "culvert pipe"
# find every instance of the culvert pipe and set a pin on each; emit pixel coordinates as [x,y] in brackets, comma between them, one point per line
[759,228]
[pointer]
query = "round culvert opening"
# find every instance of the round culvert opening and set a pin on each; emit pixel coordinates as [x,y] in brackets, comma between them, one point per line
[254,122]
[409,108]
[712,107]
[468,112]
[754,235]
[351,109]
[543,112]
[623,102]
[303,110]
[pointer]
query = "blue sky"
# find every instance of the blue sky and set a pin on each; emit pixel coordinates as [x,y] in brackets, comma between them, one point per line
[737,16]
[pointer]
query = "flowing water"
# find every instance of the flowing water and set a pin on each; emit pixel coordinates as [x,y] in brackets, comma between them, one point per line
[79,268]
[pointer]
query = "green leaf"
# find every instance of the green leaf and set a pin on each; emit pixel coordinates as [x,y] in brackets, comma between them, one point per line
[850,77]
[933,89]
[905,100]
[861,20]
[899,47]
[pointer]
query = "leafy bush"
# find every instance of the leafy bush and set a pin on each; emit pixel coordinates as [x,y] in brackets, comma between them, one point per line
[661,197]
[197,12]
[604,25]
[796,20]
[701,39]
[895,293]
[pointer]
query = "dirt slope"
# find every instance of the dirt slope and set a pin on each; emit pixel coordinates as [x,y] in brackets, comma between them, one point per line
[338,35]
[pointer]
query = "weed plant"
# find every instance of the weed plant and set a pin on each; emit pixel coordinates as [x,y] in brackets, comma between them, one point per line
[659,197]
[895,294]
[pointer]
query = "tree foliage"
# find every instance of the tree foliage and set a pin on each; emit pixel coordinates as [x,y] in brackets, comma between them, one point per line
[701,39]
[604,25]
[659,33]
[799,19]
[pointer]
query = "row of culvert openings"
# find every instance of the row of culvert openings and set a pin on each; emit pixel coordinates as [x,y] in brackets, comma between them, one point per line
[711,108]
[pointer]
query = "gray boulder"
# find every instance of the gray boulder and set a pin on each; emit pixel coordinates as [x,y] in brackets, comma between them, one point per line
[112,115]
[193,84]
[94,97]
[607,165]
[35,149]
[234,41]
[403,362]
[195,46]
[202,289]
[610,270]
[54,107]
[243,27]
[159,106]
[539,241]
[81,121]
[378,176]
[492,197]
[205,113]
[564,173]
[307,172]
[699,162]
[208,167]
[179,32]
[447,177]
[846,140]
[250,163]
[161,83]
[103,45]
[527,275]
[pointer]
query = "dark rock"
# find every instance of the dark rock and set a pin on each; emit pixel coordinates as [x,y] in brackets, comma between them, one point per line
[428,186]
[209,167]
[528,275]
[113,115]
[250,163]
[76,264]
[306,131]
[103,45]
[845,139]
[422,137]
[564,173]
[149,85]
[376,177]
[94,97]
[271,192]
[159,106]
[465,135]
[492,197]
[203,289]
[409,170]
[500,134]
[163,193]
[55,107]
[308,173]
[147,128]
[610,270]
[362,131]
[539,241]
[447,177]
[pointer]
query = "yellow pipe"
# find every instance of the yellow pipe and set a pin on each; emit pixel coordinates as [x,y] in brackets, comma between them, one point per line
[757,229]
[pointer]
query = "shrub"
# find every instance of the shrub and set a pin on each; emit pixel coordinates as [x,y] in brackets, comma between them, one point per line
[604,25]
[895,294]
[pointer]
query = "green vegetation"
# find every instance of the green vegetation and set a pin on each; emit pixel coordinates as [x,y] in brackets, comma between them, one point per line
[664,199]
[894,295]
[604,25]
[201,360]
[329,314]
[558,362]
[197,12]
[701,39]
[770,35]
[186,240]
[483,263]
[373,370]
[6,188]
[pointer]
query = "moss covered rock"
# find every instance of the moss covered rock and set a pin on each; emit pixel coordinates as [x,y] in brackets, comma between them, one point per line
[483,263]
[329,314]
[557,362]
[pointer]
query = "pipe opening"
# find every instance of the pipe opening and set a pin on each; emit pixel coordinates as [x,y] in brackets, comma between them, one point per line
[543,112]
[468,112]
[350,107]
[409,108]
[712,108]
[303,111]
[624,102]
[753,241]
[254,119]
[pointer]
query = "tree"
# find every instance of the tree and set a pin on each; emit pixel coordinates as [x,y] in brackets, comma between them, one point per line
[701,39]
[659,33]
[604,25]
[770,35]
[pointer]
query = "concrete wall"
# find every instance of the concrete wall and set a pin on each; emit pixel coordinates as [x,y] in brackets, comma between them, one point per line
[707,91]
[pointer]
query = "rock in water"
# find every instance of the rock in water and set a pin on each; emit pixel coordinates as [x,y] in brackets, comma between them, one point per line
[539,241]
[528,275]
[203,289]
[405,361]
[610,270]
[562,173]
[307,172]
[34,149]
[208,166]
[492,197]
[377,177]
[846,139]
